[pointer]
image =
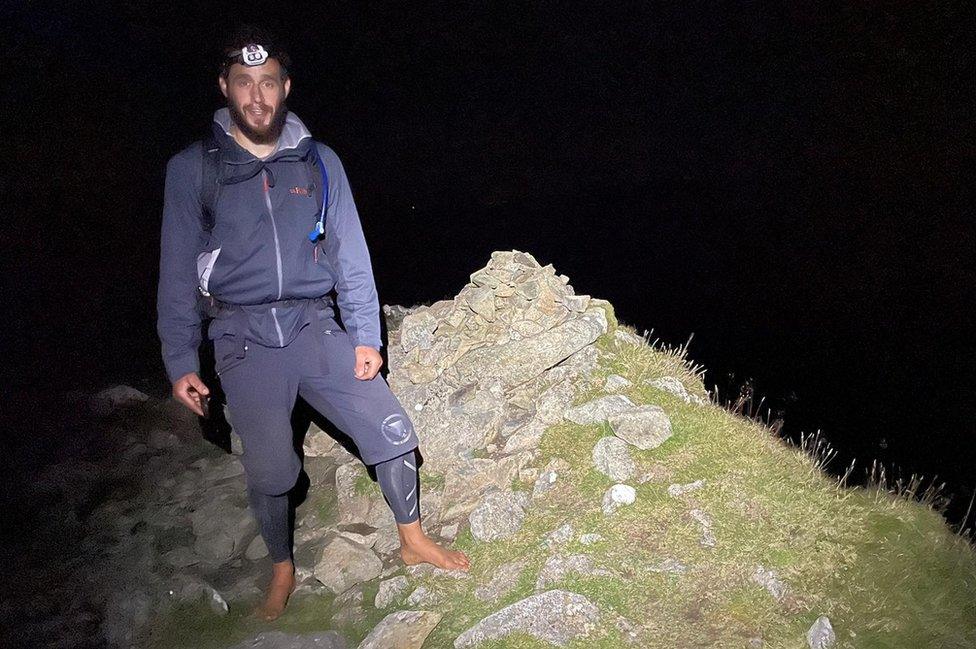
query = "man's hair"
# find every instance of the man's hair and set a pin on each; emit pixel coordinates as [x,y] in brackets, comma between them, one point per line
[245,35]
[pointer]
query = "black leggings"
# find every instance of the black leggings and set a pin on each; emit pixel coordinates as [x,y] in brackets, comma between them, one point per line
[399,482]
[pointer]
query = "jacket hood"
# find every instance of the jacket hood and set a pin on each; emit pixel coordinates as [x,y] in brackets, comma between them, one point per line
[295,139]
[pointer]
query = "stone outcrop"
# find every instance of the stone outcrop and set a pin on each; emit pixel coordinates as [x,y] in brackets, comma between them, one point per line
[555,616]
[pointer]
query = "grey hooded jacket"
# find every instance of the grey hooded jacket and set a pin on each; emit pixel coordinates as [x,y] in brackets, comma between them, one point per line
[258,253]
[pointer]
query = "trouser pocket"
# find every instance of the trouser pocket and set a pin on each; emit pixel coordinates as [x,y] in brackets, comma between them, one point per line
[229,352]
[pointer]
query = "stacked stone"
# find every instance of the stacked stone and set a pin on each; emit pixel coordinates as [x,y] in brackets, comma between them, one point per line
[512,298]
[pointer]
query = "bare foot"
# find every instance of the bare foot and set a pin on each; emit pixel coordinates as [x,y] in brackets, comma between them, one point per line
[417,547]
[282,585]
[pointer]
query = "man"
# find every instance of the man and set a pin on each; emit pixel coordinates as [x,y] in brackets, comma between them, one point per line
[265,263]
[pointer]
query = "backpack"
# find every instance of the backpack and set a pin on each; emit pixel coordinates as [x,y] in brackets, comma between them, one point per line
[210,186]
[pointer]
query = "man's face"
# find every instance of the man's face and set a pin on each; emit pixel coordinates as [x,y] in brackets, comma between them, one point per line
[256,99]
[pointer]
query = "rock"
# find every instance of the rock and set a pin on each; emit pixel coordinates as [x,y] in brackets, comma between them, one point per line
[422,570]
[365,540]
[282,640]
[354,507]
[519,361]
[669,565]
[421,596]
[676,490]
[821,634]
[186,588]
[553,402]
[110,399]
[126,617]
[599,409]
[559,536]
[525,438]
[645,427]
[769,580]
[590,538]
[615,383]
[417,330]
[617,496]
[673,385]
[550,473]
[160,439]
[499,515]
[390,590]
[555,616]
[449,532]
[611,457]
[317,443]
[557,567]
[223,530]
[481,300]
[578,366]
[387,539]
[343,564]
[503,580]
[256,549]
[465,483]
[708,538]
[402,630]
[180,557]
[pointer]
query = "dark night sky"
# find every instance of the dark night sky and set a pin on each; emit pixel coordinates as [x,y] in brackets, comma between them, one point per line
[783,184]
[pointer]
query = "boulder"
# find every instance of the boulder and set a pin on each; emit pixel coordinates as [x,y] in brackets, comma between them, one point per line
[645,427]
[611,457]
[343,564]
[599,409]
[469,480]
[401,630]
[555,616]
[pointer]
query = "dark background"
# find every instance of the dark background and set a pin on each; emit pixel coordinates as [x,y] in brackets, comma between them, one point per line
[785,184]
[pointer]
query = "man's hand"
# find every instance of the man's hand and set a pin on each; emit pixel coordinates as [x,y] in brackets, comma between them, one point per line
[368,362]
[189,390]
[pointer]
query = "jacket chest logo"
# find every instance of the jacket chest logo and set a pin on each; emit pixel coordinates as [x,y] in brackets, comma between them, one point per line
[300,191]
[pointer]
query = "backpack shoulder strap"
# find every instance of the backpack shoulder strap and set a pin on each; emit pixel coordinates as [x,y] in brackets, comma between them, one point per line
[209,163]
[322,193]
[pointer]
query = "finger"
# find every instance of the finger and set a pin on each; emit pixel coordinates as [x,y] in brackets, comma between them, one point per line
[190,401]
[198,385]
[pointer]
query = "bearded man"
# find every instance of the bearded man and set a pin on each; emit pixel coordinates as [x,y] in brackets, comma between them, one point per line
[262,240]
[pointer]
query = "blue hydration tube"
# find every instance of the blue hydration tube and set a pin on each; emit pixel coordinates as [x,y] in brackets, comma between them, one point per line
[319,228]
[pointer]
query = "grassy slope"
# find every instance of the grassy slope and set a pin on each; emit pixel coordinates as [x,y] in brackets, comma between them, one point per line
[887,571]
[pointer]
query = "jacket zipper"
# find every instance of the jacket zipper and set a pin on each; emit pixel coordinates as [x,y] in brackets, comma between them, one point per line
[274,229]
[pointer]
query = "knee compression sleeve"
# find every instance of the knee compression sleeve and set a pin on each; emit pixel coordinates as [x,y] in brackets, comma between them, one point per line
[401,486]
[271,513]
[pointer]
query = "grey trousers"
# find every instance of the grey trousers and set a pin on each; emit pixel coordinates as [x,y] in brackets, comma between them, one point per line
[261,390]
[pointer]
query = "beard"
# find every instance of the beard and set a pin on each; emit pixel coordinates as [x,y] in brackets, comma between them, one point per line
[267,135]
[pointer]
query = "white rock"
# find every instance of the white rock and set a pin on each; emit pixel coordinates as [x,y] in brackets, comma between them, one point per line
[821,634]
[617,496]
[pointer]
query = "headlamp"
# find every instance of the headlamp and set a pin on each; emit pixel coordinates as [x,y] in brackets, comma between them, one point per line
[251,54]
